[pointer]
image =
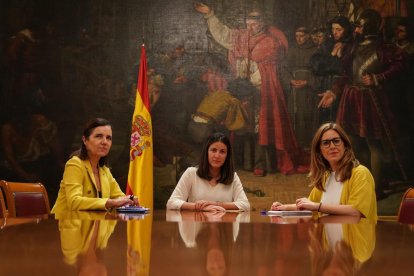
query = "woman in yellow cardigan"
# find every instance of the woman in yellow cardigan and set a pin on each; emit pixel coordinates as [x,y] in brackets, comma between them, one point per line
[341,186]
[87,182]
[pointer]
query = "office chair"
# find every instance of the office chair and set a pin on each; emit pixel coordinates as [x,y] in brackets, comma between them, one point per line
[3,209]
[25,199]
[406,211]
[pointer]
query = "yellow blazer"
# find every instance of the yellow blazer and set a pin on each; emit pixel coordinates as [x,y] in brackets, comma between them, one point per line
[78,187]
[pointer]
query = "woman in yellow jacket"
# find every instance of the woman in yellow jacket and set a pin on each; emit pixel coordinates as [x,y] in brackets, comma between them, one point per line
[87,182]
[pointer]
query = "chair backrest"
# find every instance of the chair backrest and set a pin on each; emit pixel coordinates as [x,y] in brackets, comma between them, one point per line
[406,212]
[25,199]
[3,209]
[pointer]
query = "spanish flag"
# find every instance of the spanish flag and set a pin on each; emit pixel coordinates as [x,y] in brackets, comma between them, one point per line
[140,176]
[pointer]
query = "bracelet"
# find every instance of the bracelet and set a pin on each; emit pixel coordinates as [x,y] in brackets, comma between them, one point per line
[320,204]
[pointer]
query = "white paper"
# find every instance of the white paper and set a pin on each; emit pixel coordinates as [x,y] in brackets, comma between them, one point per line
[304,213]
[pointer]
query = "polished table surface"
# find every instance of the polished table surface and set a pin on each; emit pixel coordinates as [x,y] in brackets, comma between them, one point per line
[188,243]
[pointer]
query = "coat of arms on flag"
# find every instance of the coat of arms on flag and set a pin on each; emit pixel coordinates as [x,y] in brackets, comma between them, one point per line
[140,136]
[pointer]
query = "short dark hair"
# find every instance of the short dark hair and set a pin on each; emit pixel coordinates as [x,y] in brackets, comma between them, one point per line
[302,30]
[344,23]
[318,30]
[256,14]
[227,170]
[82,153]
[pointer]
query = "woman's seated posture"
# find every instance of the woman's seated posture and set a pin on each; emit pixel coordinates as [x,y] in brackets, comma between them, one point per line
[87,182]
[213,185]
[341,186]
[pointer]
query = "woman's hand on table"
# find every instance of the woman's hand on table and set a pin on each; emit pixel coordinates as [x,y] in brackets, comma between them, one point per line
[201,204]
[121,201]
[277,206]
[306,204]
[135,200]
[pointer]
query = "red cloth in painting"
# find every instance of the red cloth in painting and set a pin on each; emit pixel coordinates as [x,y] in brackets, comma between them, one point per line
[266,49]
[357,112]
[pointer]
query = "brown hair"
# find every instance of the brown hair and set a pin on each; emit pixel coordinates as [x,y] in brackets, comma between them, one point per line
[319,165]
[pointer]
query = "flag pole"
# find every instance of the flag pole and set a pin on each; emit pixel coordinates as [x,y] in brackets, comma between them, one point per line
[140,174]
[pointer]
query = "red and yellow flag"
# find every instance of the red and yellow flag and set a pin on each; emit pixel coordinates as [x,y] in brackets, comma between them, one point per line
[140,176]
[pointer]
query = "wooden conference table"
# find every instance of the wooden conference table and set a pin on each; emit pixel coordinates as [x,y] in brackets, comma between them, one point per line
[187,243]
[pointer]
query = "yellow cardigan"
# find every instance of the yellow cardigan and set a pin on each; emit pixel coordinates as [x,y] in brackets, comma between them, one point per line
[78,187]
[358,191]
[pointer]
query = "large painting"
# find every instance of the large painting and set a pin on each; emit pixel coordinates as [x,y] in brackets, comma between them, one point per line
[266,73]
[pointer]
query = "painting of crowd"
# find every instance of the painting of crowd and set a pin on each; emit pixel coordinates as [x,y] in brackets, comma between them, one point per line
[266,85]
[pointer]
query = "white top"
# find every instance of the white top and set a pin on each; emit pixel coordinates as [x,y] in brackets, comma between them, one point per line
[191,188]
[333,191]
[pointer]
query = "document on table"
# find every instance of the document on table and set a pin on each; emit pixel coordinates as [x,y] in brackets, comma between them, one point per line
[304,213]
[132,209]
